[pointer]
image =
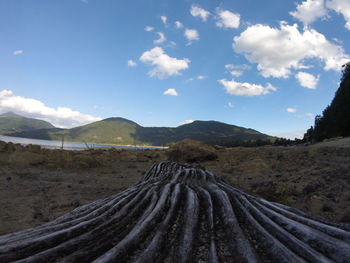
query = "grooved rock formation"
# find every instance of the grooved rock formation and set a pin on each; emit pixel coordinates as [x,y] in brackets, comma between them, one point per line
[177,213]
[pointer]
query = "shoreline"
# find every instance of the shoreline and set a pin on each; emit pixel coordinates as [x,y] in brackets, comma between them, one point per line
[82,145]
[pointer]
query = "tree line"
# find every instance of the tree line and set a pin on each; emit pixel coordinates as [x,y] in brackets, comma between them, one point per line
[335,118]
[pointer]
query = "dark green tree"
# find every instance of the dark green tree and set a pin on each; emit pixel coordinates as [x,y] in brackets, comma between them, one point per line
[335,118]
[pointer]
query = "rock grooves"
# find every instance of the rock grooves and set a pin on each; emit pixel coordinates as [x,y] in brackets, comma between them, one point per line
[178,213]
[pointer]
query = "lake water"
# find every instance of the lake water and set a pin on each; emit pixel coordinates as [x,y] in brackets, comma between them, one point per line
[68,145]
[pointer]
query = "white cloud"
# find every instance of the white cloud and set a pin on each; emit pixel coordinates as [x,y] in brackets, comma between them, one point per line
[17,52]
[164,19]
[309,11]
[178,24]
[186,122]
[240,67]
[229,66]
[276,51]
[171,92]
[230,105]
[60,116]
[201,77]
[131,63]
[341,7]
[291,135]
[171,44]
[149,28]
[245,89]
[197,11]
[236,73]
[227,19]
[307,80]
[161,38]
[291,110]
[163,65]
[236,70]
[309,115]
[191,35]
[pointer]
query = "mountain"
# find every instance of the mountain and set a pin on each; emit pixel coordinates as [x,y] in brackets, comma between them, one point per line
[125,132]
[11,123]
[212,132]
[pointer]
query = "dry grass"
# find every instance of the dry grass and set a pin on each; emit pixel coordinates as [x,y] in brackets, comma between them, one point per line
[37,185]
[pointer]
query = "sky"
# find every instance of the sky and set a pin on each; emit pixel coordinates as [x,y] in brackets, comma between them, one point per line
[268,65]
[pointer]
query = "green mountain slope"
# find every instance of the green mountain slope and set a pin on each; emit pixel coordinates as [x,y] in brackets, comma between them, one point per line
[125,132]
[211,132]
[11,122]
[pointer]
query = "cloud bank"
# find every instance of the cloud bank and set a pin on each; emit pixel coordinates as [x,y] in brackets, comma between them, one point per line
[62,117]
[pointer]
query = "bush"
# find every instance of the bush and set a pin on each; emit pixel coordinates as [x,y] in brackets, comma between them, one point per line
[191,151]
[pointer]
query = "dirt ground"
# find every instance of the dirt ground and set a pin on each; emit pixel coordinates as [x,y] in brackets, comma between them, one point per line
[38,185]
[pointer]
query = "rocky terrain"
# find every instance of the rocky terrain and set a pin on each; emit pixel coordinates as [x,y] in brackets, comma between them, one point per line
[38,185]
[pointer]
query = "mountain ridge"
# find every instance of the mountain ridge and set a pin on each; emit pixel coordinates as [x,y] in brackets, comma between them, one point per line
[118,130]
[11,122]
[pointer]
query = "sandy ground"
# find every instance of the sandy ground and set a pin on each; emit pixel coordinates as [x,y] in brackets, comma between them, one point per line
[38,185]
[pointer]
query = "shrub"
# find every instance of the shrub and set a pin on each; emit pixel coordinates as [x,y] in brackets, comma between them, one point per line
[191,151]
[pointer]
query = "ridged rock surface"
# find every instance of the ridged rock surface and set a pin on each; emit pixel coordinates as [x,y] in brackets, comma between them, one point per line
[177,213]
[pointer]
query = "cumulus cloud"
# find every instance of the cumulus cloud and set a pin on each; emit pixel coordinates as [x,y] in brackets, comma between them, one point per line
[291,110]
[227,19]
[201,77]
[17,52]
[171,92]
[161,38]
[164,19]
[197,11]
[186,122]
[131,63]
[178,24]
[60,117]
[245,89]
[163,65]
[341,7]
[309,11]
[277,50]
[191,34]
[149,28]
[307,80]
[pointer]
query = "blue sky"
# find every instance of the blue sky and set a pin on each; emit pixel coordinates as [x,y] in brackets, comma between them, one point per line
[268,65]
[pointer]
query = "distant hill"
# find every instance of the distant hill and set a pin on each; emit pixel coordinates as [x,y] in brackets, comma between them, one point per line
[13,123]
[125,132]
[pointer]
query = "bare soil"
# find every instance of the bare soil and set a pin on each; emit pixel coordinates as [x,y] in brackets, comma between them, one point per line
[38,185]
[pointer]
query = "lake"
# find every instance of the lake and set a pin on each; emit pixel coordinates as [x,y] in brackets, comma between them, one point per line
[73,146]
